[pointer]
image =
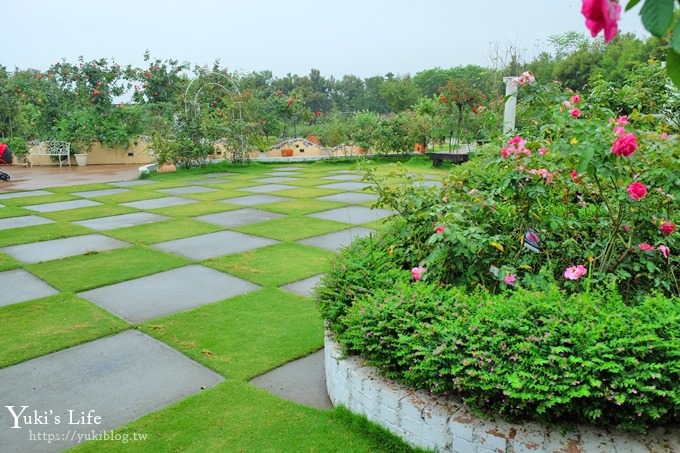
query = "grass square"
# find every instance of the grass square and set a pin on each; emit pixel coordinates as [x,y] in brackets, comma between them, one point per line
[162,231]
[40,199]
[35,328]
[91,212]
[292,228]
[275,265]
[306,192]
[81,188]
[37,233]
[300,206]
[7,263]
[11,211]
[79,273]
[247,335]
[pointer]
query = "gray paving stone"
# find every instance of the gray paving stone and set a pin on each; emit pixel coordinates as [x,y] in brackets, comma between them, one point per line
[156,203]
[304,287]
[209,181]
[121,221]
[100,193]
[118,378]
[344,177]
[334,241]
[350,197]
[276,179]
[32,193]
[167,292]
[302,381]
[252,200]
[214,244]
[21,286]
[62,205]
[267,188]
[187,189]
[23,221]
[134,182]
[349,185]
[354,215]
[2,206]
[62,248]
[239,217]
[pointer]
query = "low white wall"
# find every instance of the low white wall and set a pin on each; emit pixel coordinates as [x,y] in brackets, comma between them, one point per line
[446,425]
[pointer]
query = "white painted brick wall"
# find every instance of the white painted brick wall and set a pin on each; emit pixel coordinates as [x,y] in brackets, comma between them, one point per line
[447,425]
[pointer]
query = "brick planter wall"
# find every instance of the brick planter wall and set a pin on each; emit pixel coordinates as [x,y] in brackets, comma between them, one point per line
[447,425]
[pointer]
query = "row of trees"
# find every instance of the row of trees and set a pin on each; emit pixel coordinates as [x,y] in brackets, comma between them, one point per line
[81,102]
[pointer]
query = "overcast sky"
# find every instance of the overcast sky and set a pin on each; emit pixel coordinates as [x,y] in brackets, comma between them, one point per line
[361,37]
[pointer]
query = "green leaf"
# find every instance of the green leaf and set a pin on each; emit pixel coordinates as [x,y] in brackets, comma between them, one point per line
[631,4]
[673,66]
[586,157]
[657,16]
[675,39]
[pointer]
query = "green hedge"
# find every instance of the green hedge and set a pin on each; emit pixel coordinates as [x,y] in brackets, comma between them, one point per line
[543,356]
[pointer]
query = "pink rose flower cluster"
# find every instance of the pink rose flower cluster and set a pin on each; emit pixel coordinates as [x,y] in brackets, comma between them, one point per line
[646,247]
[602,15]
[667,227]
[543,173]
[516,146]
[523,79]
[418,272]
[575,272]
[636,191]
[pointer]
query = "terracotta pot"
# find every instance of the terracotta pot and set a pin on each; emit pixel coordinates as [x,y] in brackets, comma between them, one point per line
[166,168]
[314,139]
[420,148]
[287,152]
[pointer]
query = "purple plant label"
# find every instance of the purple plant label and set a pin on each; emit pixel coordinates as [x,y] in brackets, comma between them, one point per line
[532,241]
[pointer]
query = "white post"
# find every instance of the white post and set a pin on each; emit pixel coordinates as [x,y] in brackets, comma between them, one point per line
[510,104]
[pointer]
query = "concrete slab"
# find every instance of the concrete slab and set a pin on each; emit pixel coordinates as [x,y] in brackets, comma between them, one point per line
[252,200]
[302,381]
[100,193]
[121,221]
[209,181]
[62,248]
[304,287]
[349,185]
[21,286]
[188,189]
[135,182]
[23,221]
[334,241]
[277,179]
[213,244]
[33,193]
[354,215]
[167,292]
[344,177]
[62,205]
[118,378]
[239,217]
[350,197]
[156,203]
[268,188]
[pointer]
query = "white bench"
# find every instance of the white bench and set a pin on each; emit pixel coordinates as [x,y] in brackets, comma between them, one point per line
[53,148]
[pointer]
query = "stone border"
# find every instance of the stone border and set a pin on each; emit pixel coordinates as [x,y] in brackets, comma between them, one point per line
[447,425]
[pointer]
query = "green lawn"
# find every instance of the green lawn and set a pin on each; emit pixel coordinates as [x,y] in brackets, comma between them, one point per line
[239,338]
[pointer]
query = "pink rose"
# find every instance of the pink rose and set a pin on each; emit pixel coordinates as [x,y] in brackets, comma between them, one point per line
[504,153]
[575,272]
[417,272]
[510,279]
[601,15]
[619,130]
[664,251]
[636,191]
[575,99]
[663,136]
[645,247]
[622,120]
[575,113]
[667,227]
[440,229]
[624,145]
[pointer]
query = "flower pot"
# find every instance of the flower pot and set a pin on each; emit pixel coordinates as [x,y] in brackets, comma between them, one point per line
[287,152]
[314,139]
[420,148]
[81,159]
[166,168]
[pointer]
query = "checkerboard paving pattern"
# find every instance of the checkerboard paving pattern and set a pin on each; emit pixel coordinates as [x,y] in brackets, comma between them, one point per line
[243,257]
